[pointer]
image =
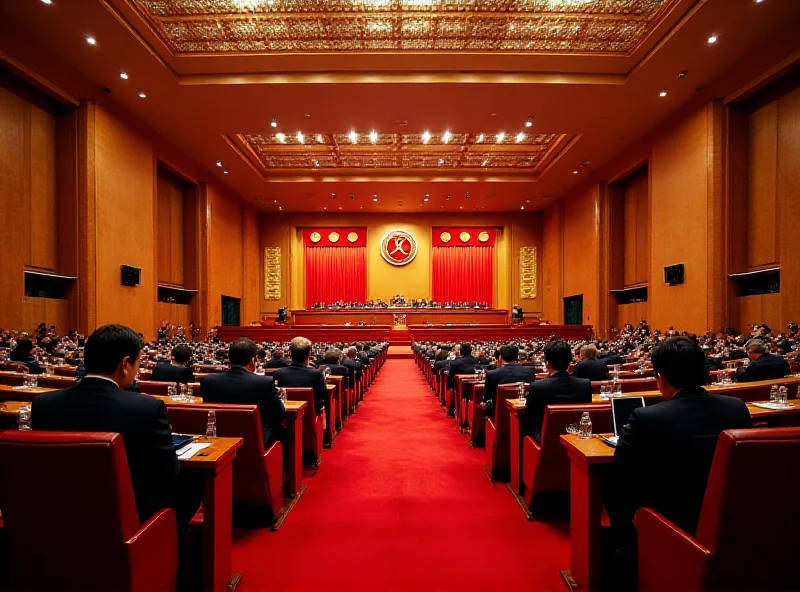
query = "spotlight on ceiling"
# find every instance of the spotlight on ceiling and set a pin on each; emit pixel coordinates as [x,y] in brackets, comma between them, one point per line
[301,138]
[354,137]
[281,137]
[446,137]
[520,137]
[712,39]
[529,122]
[123,75]
[663,93]
[219,163]
[224,172]
[426,137]
[501,136]
[273,123]
[142,94]
[373,136]
[91,40]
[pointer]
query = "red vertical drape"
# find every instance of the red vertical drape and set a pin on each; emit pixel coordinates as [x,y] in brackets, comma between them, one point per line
[335,273]
[463,274]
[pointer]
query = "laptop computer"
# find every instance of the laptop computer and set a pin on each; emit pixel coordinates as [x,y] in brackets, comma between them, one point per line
[621,409]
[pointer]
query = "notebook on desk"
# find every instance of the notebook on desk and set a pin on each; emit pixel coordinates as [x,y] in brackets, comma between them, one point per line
[181,440]
[621,409]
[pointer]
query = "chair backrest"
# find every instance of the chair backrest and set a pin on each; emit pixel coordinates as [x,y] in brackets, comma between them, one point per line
[553,469]
[250,485]
[629,385]
[749,392]
[502,418]
[68,507]
[750,517]
[153,387]
[306,394]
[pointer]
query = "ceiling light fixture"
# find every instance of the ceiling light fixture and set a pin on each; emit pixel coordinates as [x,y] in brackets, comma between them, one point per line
[333,194]
[374,199]
[529,123]
[91,40]
[663,93]
[274,122]
[48,2]
[280,137]
[501,136]
[320,139]
[280,207]
[142,94]
[575,172]
[301,138]
[520,137]
[425,199]
[354,137]
[522,207]
[373,136]
[219,163]
[224,172]
[479,138]
[426,136]
[712,39]
[123,75]
[446,137]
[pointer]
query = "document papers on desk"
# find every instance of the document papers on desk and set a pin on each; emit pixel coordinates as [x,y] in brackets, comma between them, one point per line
[775,406]
[192,449]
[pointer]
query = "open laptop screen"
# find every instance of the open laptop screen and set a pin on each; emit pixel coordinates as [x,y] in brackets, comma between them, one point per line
[621,408]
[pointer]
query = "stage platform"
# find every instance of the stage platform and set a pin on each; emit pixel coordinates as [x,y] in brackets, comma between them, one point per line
[391,316]
[497,333]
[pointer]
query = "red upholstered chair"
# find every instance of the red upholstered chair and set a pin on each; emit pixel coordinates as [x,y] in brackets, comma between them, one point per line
[476,417]
[545,465]
[70,518]
[312,425]
[257,473]
[153,387]
[629,385]
[747,534]
[66,371]
[498,454]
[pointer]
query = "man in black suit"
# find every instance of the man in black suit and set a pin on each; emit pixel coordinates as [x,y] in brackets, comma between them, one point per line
[463,364]
[179,370]
[559,388]
[664,454]
[590,367]
[241,386]
[762,366]
[610,358]
[277,360]
[331,360]
[98,404]
[299,374]
[352,364]
[511,371]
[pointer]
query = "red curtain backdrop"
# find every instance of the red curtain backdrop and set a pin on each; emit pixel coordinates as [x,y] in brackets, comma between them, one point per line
[336,273]
[463,274]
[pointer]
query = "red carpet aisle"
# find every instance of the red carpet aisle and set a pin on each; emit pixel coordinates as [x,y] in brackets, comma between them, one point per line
[402,503]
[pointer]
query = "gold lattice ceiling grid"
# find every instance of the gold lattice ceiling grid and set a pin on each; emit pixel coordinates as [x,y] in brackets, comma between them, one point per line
[526,153]
[601,27]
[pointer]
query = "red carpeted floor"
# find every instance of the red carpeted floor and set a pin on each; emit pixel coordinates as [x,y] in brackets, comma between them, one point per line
[401,502]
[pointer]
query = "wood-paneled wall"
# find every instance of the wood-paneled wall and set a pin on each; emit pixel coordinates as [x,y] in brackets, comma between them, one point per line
[169,229]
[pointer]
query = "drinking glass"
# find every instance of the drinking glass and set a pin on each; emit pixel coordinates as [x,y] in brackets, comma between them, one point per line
[605,391]
[521,391]
[572,428]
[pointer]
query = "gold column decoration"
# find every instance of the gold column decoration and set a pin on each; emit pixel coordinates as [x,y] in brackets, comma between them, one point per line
[272,273]
[527,273]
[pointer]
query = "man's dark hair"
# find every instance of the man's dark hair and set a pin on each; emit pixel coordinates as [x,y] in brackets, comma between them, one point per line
[465,349]
[181,353]
[108,346]
[509,353]
[681,362]
[558,354]
[277,354]
[242,351]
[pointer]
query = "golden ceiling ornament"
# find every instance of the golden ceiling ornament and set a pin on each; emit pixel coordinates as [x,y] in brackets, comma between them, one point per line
[445,236]
[315,237]
[464,236]
[483,236]
[407,152]
[599,27]
[352,237]
[333,237]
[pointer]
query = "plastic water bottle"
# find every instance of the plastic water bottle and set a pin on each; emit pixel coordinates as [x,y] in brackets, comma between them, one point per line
[24,422]
[585,426]
[189,393]
[211,426]
[773,394]
[284,398]
[616,387]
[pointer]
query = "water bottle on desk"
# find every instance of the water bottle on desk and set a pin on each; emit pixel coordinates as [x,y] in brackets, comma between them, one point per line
[585,426]
[189,393]
[783,395]
[24,422]
[773,394]
[211,426]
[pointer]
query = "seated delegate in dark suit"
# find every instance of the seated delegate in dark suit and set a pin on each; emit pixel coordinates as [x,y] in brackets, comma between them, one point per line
[179,370]
[664,454]
[23,354]
[559,388]
[762,366]
[299,374]
[277,360]
[610,358]
[465,364]
[241,386]
[351,363]
[331,360]
[590,367]
[98,404]
[510,372]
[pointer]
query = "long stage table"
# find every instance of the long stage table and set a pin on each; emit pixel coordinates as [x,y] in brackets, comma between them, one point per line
[314,333]
[497,333]
[386,316]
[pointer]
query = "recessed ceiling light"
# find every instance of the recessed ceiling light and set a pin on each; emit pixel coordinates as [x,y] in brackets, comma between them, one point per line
[123,75]
[448,198]
[325,207]
[219,163]
[280,207]
[373,136]
[281,137]
[91,40]
[520,137]
[712,39]
[663,93]
[425,199]
[529,123]
[320,139]
[274,122]
[522,207]
[224,172]
[340,207]
[759,1]
[374,199]
[501,136]
[354,137]
[301,138]
[47,1]
[479,138]
[333,194]
[427,195]
[142,94]
[575,172]
[446,137]
[374,195]
[426,136]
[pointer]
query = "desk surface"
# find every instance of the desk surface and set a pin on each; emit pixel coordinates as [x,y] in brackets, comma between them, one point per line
[221,450]
[593,449]
[295,405]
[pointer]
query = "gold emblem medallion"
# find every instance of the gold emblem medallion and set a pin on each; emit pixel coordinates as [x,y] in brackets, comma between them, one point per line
[445,236]
[352,237]
[315,237]
[333,236]
[464,236]
[483,236]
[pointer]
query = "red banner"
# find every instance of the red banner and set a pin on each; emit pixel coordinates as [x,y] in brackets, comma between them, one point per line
[463,236]
[335,237]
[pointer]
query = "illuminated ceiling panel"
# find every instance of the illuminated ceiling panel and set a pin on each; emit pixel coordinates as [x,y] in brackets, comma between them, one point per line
[598,27]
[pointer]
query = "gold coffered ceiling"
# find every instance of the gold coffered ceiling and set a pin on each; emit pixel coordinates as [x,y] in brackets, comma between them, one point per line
[593,27]
[527,154]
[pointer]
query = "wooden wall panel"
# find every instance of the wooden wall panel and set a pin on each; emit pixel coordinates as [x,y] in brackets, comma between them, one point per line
[225,251]
[764,308]
[678,170]
[251,271]
[631,313]
[552,258]
[175,314]
[176,235]
[762,192]
[635,197]
[125,169]
[170,229]
[788,190]
[581,257]
[163,244]
[42,189]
